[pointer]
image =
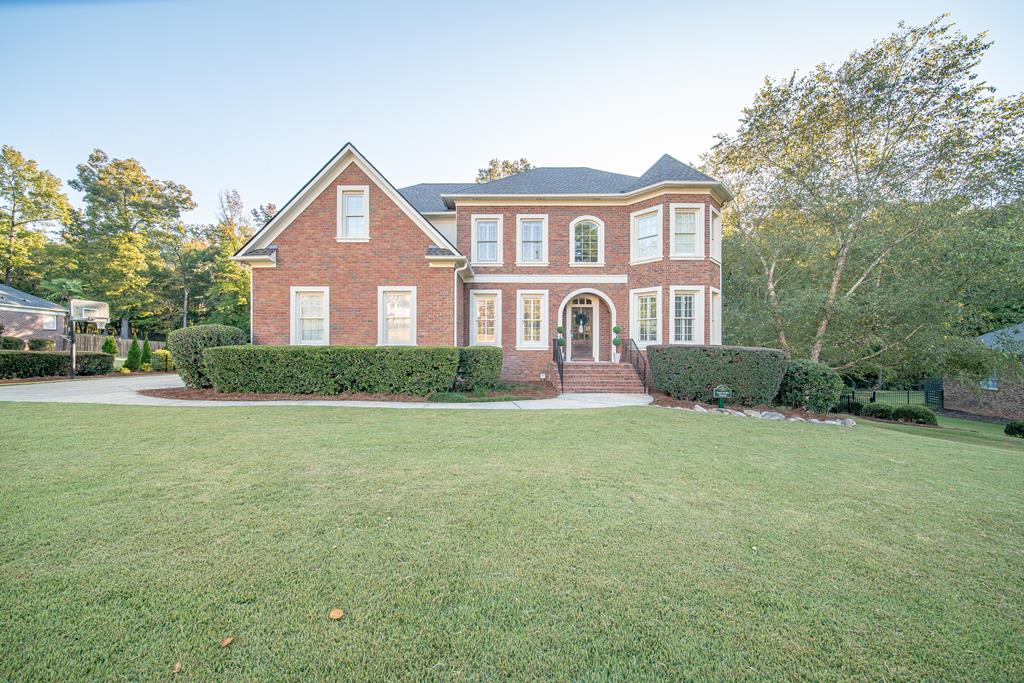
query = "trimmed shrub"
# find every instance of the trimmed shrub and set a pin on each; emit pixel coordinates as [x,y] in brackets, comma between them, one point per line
[11,344]
[134,360]
[691,373]
[920,415]
[187,345]
[21,364]
[415,370]
[162,360]
[855,407]
[811,386]
[879,411]
[41,344]
[479,368]
[110,345]
[147,353]
[1015,428]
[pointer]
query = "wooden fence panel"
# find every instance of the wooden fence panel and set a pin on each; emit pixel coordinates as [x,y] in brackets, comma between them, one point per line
[94,342]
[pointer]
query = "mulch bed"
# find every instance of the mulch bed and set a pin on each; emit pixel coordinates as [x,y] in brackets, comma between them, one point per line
[670,402]
[526,390]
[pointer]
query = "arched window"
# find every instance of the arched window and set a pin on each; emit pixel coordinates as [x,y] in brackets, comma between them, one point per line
[586,240]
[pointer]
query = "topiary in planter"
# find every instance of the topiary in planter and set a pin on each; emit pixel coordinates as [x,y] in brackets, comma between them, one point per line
[187,345]
[811,386]
[1015,428]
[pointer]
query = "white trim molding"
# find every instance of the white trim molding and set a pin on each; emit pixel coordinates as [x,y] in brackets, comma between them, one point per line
[634,326]
[341,234]
[600,242]
[715,315]
[550,279]
[474,294]
[499,256]
[543,218]
[698,238]
[382,314]
[543,344]
[633,217]
[716,236]
[293,324]
[697,291]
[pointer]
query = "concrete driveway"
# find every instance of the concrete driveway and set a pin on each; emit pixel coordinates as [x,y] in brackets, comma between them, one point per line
[124,391]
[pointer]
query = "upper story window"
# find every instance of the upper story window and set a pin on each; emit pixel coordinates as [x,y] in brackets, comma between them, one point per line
[396,311]
[486,239]
[716,234]
[309,313]
[586,235]
[353,213]
[532,236]
[645,233]
[687,230]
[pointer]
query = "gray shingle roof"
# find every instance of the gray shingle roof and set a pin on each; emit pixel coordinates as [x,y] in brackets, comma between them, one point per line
[554,180]
[668,169]
[426,197]
[1007,339]
[434,250]
[15,298]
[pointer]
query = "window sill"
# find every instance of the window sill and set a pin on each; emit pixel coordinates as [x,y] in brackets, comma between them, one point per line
[476,343]
[531,348]
[486,264]
[646,260]
[396,344]
[686,258]
[532,264]
[587,265]
[715,260]
[686,343]
[351,239]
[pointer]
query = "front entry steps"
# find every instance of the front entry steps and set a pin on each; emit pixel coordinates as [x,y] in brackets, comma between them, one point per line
[601,378]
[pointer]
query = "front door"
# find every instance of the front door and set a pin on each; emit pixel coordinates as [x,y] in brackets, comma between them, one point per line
[581,322]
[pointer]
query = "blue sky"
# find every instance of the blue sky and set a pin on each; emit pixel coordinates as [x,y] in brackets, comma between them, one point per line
[257,96]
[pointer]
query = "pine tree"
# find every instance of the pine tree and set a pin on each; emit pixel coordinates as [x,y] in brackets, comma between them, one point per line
[134,360]
[147,353]
[109,345]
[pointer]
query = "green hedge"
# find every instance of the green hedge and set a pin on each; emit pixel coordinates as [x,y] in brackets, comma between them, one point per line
[1015,428]
[479,368]
[879,411]
[692,372]
[21,364]
[921,415]
[811,386]
[187,345]
[11,344]
[41,344]
[415,370]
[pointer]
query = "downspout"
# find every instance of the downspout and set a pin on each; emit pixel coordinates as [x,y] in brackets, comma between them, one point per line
[251,338]
[455,300]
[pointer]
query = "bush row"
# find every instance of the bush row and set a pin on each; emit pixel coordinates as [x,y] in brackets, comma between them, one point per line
[328,370]
[691,373]
[11,344]
[187,345]
[1015,428]
[22,364]
[911,413]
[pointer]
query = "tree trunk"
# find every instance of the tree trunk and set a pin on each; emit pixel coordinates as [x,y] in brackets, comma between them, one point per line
[184,310]
[125,332]
[773,306]
[830,301]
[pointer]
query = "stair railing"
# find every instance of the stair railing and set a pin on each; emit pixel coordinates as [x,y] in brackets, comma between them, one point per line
[637,359]
[559,357]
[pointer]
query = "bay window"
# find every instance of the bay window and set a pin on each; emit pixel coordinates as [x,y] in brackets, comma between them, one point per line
[686,307]
[645,318]
[687,230]
[645,235]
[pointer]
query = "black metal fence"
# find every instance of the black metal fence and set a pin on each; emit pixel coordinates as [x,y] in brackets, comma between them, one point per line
[929,393]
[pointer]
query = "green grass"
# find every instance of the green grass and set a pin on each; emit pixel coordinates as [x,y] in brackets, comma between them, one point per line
[627,544]
[958,430]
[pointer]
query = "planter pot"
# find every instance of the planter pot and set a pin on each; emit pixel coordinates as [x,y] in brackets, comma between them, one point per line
[616,356]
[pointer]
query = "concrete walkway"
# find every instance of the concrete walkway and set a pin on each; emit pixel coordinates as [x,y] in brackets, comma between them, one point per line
[124,391]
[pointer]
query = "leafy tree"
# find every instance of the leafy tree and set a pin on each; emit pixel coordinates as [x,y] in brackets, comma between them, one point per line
[62,289]
[858,189]
[501,168]
[30,200]
[184,280]
[229,291]
[134,360]
[262,214]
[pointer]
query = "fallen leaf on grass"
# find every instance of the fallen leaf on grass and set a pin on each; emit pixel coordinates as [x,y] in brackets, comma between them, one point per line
[335,614]
[227,641]
[177,668]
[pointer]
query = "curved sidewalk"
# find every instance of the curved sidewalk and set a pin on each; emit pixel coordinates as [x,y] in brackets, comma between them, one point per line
[124,391]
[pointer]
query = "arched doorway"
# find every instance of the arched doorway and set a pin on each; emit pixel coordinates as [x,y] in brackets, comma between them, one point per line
[588,316]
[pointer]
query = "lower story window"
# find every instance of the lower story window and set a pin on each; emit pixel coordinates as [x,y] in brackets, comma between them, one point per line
[397,313]
[533,320]
[645,318]
[486,318]
[49,322]
[990,383]
[310,315]
[683,320]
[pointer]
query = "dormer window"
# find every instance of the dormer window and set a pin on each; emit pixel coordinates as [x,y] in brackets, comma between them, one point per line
[353,213]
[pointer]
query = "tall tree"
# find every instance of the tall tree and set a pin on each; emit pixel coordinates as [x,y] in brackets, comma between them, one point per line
[847,171]
[501,168]
[229,290]
[30,200]
[117,243]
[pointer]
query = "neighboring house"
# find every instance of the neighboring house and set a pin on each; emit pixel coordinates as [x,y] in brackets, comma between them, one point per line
[26,316]
[993,396]
[350,259]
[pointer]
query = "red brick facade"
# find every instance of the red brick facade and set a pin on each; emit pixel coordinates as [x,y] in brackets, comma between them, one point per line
[1006,402]
[309,255]
[29,325]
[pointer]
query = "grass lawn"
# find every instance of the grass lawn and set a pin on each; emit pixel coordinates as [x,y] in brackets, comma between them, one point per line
[627,544]
[967,432]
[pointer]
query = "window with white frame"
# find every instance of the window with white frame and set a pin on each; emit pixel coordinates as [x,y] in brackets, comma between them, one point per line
[586,235]
[645,305]
[646,235]
[310,316]
[396,316]
[715,321]
[487,240]
[532,319]
[990,383]
[49,322]
[353,213]
[687,230]
[687,312]
[716,234]
[532,235]
[485,323]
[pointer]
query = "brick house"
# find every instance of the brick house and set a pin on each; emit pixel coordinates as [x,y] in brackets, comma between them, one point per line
[26,316]
[350,259]
[994,396]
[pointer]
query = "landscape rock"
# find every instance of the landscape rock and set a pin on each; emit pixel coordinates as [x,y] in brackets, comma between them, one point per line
[837,423]
[815,420]
[737,413]
[795,418]
[772,415]
[699,408]
[849,423]
[752,413]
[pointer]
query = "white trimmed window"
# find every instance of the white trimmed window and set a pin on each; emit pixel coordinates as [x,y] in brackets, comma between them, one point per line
[396,315]
[716,316]
[687,230]
[645,235]
[353,213]
[532,319]
[532,240]
[645,316]
[586,237]
[687,311]
[310,316]
[485,314]
[990,383]
[487,233]
[49,322]
[716,234]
